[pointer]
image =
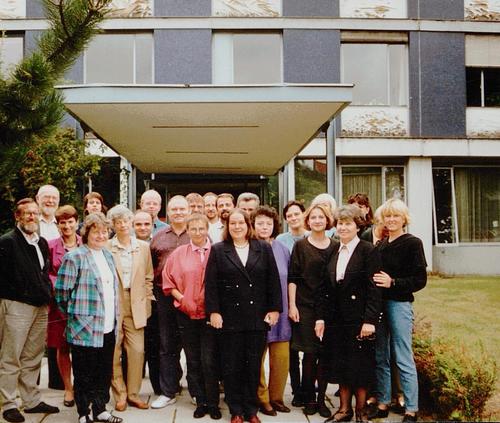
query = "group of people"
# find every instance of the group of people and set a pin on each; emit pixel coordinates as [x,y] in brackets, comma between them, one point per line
[329,301]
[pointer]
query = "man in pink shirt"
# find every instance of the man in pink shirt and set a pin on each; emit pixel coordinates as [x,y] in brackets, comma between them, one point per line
[183,279]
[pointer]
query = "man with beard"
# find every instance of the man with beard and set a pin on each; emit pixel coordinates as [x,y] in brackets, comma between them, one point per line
[162,245]
[25,292]
[224,204]
[48,201]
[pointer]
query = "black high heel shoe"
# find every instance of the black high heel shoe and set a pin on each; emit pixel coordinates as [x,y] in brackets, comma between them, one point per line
[341,416]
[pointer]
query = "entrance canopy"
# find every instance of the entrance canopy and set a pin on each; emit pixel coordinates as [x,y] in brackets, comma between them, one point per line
[206,128]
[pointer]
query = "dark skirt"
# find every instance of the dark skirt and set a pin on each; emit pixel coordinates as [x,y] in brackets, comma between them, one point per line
[303,337]
[349,361]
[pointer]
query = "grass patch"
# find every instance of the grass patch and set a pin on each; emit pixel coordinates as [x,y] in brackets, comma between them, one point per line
[467,309]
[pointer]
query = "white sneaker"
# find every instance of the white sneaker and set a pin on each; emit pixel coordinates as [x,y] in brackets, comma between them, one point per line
[163,401]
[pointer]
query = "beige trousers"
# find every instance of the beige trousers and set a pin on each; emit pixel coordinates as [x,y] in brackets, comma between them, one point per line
[22,343]
[132,340]
[279,361]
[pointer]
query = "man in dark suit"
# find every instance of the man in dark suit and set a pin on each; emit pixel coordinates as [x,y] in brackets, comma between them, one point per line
[25,291]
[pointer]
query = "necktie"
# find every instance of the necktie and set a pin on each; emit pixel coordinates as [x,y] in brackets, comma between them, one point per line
[342,262]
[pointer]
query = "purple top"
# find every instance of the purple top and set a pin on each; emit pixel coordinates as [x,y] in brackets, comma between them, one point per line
[282,331]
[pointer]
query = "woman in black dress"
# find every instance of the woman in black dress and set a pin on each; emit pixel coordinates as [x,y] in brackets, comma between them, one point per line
[349,307]
[306,274]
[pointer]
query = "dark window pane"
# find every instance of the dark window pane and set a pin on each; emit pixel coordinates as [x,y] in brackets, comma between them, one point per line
[491,87]
[473,76]
[443,203]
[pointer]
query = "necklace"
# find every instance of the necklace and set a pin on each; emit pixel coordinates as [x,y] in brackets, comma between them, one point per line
[240,247]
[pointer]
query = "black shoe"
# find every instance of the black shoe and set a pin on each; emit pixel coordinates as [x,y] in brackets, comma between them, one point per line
[410,418]
[42,408]
[297,400]
[381,414]
[371,410]
[341,416]
[201,411]
[69,403]
[267,411]
[13,415]
[323,410]
[311,408]
[214,413]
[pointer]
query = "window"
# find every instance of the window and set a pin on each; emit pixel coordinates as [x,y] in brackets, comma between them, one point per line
[467,198]
[11,53]
[444,222]
[379,182]
[483,87]
[247,58]
[310,178]
[379,72]
[120,59]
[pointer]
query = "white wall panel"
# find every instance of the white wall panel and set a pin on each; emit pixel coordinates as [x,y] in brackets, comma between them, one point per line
[373,9]
[375,121]
[483,122]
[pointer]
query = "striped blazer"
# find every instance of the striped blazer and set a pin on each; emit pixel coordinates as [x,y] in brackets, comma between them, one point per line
[79,295]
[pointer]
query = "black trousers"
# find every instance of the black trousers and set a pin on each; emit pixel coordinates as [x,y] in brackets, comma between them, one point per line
[92,370]
[152,348]
[199,341]
[170,345]
[242,354]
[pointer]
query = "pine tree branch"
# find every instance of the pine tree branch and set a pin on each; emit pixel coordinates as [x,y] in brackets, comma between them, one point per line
[63,18]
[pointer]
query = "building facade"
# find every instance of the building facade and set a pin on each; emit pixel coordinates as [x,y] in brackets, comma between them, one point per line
[424,122]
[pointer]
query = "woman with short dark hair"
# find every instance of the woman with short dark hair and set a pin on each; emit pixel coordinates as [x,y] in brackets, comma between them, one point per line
[87,292]
[67,223]
[243,300]
[266,224]
[349,312]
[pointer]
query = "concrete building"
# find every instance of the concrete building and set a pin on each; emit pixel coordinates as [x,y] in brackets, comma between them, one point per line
[423,121]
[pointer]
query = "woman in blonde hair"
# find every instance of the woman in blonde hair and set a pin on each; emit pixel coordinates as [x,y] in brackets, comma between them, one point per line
[403,273]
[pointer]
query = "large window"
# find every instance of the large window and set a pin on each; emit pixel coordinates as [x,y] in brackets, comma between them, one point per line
[467,199]
[483,87]
[11,52]
[247,58]
[379,182]
[120,59]
[379,72]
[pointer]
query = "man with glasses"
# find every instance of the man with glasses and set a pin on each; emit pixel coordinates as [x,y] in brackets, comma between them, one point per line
[25,292]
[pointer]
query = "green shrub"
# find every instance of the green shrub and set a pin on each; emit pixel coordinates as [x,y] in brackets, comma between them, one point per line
[455,382]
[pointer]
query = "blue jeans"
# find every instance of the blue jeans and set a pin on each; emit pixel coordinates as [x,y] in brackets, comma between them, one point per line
[395,334]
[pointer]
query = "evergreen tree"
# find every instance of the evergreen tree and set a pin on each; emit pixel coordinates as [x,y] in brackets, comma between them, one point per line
[31,109]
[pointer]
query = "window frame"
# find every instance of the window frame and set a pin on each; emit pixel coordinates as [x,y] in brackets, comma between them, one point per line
[134,55]
[455,210]
[481,86]
[227,54]
[388,75]
[382,179]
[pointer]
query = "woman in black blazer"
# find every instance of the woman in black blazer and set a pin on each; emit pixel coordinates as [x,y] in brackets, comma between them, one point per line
[243,299]
[350,306]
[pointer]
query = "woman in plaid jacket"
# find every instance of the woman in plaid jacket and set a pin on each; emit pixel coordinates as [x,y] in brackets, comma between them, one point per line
[87,292]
